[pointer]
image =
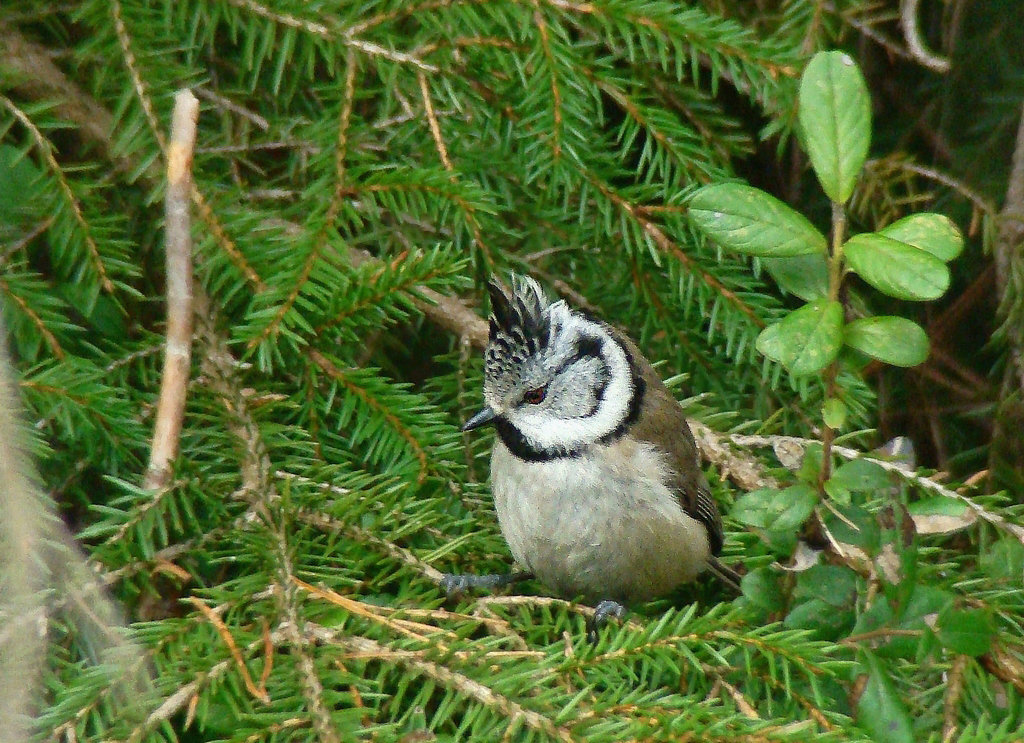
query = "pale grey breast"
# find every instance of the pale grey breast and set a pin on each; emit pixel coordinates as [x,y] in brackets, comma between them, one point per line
[603,524]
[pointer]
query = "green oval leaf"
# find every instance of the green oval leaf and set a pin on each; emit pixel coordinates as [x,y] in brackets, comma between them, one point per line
[835,117]
[761,588]
[748,220]
[776,510]
[966,631]
[895,268]
[807,340]
[806,276]
[861,475]
[934,233]
[833,412]
[880,710]
[894,340]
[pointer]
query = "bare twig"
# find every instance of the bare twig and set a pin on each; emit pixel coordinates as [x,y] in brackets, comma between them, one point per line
[1011,217]
[1009,263]
[912,34]
[951,699]
[865,26]
[900,163]
[170,410]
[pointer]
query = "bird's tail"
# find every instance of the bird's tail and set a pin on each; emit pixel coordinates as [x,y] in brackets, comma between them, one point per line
[724,573]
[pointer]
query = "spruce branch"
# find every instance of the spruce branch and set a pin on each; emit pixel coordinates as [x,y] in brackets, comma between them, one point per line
[416,661]
[220,367]
[556,93]
[668,246]
[34,75]
[347,37]
[320,241]
[132,65]
[94,121]
[182,697]
[326,523]
[332,371]
[34,318]
[46,151]
[170,411]
[442,151]
[145,101]
[260,691]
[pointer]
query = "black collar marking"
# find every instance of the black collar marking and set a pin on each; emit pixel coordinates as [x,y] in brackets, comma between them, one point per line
[523,449]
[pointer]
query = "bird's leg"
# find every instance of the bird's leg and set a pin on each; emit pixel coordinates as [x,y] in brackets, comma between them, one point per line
[454,584]
[604,611]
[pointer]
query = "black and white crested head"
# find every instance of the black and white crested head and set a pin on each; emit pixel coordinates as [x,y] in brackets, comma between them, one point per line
[556,380]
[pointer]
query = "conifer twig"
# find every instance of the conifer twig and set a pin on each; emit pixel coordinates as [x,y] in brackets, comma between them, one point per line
[442,152]
[416,661]
[327,523]
[170,412]
[260,692]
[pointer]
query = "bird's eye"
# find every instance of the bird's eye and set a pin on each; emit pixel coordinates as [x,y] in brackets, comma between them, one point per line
[536,396]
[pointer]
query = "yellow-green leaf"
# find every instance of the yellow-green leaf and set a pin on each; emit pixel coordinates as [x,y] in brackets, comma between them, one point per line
[807,340]
[935,233]
[835,118]
[894,340]
[748,220]
[895,268]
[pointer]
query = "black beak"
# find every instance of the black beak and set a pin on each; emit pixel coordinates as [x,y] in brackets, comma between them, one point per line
[482,418]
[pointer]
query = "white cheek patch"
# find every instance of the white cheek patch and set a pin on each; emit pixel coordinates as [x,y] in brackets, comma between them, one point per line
[543,430]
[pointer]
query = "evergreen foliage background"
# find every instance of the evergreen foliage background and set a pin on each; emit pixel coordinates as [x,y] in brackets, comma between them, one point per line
[362,166]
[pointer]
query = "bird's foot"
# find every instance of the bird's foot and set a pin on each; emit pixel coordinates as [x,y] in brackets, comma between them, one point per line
[604,611]
[454,584]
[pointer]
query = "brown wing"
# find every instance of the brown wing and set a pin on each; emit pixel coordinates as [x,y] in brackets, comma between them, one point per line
[663,424]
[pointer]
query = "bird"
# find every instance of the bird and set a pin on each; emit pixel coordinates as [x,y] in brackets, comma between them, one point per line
[595,473]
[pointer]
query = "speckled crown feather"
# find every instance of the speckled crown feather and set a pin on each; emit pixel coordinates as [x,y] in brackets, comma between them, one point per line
[519,325]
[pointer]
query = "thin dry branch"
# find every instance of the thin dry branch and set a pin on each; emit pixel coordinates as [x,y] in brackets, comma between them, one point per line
[170,411]
[916,45]
[1011,218]
[951,699]
[1009,262]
